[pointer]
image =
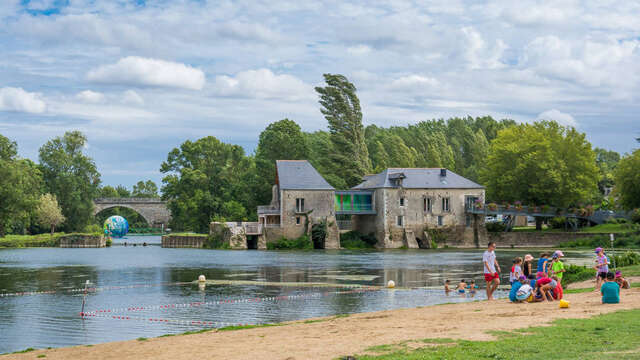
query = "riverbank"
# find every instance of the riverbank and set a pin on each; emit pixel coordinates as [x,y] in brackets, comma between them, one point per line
[49,240]
[333,337]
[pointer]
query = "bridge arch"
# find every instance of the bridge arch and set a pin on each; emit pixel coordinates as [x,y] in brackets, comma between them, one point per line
[154,211]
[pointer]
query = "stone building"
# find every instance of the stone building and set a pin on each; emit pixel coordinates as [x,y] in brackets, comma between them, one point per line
[301,197]
[408,204]
[400,207]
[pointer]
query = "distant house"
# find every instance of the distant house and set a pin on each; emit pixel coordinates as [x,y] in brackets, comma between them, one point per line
[408,201]
[300,194]
[398,206]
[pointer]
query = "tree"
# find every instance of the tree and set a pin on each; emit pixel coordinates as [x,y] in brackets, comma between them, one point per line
[123,192]
[201,177]
[145,189]
[71,176]
[281,140]
[48,212]
[627,178]
[341,108]
[540,164]
[606,161]
[320,147]
[20,186]
[108,191]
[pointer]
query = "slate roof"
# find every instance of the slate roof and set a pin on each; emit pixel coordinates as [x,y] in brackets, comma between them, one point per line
[299,175]
[418,179]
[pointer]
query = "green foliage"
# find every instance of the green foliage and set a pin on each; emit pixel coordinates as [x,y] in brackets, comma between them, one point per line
[357,240]
[122,191]
[281,140]
[575,273]
[108,191]
[606,160]
[134,219]
[495,227]
[216,241]
[635,216]
[319,234]
[108,242]
[301,243]
[627,178]
[20,189]
[541,163]
[202,178]
[40,240]
[92,228]
[48,212]
[145,189]
[71,176]
[341,107]
[610,335]
[558,222]
[625,240]
[627,259]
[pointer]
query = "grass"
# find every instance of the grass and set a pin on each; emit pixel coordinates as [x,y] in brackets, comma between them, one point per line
[611,228]
[40,240]
[41,356]
[242,327]
[301,243]
[142,339]
[614,335]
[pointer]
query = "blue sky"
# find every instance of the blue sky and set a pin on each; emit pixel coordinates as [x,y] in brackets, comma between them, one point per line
[140,77]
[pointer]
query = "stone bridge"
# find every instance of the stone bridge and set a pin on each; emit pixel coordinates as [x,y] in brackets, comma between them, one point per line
[154,211]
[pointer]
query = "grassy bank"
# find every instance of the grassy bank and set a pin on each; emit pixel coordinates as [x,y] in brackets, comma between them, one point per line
[614,335]
[301,243]
[628,263]
[40,240]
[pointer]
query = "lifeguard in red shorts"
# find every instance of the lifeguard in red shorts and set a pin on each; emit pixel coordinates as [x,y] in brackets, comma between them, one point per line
[491,270]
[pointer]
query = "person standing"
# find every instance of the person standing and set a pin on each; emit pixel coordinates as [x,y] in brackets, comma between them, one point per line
[557,267]
[526,266]
[491,270]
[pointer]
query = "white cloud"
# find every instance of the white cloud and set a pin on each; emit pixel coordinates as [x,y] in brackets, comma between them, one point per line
[413,82]
[17,99]
[90,96]
[134,70]
[262,83]
[479,54]
[359,50]
[560,117]
[133,98]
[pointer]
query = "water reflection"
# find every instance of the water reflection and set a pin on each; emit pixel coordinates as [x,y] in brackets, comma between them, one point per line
[52,319]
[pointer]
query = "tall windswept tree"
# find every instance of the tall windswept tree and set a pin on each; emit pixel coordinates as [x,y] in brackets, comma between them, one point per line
[20,186]
[541,164]
[341,108]
[145,189]
[281,140]
[49,213]
[627,178]
[72,177]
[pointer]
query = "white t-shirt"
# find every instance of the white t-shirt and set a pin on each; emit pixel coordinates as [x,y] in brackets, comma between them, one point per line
[524,289]
[489,257]
[517,271]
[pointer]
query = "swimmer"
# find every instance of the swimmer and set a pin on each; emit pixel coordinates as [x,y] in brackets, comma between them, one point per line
[447,290]
[472,288]
[461,286]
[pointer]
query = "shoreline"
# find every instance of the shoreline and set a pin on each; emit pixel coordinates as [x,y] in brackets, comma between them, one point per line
[335,336]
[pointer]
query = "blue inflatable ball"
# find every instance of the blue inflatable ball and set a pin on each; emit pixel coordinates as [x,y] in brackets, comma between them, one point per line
[116,226]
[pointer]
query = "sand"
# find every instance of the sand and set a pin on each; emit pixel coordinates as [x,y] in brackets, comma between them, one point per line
[335,337]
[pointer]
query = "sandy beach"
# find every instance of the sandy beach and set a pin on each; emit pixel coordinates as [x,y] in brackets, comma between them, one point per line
[332,337]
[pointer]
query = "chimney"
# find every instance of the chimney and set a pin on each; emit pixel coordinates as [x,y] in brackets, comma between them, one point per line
[443,172]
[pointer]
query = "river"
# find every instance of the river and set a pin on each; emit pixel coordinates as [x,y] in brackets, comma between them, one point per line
[134,281]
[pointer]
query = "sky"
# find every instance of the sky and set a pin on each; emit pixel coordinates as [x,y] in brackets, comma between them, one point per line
[141,77]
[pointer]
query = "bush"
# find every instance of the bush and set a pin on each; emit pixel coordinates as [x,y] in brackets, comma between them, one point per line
[357,240]
[558,222]
[576,273]
[93,228]
[627,259]
[215,241]
[301,243]
[635,216]
[319,234]
[628,240]
[109,242]
[495,227]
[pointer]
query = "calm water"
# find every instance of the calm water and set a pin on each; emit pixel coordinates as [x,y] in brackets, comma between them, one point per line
[45,320]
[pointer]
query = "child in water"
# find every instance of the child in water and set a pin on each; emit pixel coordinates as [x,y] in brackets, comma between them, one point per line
[472,288]
[461,286]
[447,290]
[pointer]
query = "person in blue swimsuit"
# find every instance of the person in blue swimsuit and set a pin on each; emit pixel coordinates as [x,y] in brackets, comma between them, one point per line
[461,287]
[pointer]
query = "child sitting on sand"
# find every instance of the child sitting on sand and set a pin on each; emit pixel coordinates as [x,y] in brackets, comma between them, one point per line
[515,286]
[610,290]
[622,282]
[525,290]
[461,286]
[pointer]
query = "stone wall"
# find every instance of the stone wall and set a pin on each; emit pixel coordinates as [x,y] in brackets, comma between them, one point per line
[82,241]
[183,241]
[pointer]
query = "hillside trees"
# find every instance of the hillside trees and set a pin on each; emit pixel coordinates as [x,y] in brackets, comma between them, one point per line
[627,178]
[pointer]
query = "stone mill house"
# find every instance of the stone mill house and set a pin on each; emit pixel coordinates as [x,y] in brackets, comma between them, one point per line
[401,207]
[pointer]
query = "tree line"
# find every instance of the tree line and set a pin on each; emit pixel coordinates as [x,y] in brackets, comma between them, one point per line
[541,163]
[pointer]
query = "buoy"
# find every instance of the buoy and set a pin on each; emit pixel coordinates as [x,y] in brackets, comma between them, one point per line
[201,278]
[391,284]
[564,304]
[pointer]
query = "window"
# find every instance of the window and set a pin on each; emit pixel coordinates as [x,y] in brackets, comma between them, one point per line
[440,221]
[401,201]
[445,205]
[298,220]
[470,201]
[299,205]
[400,220]
[428,206]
